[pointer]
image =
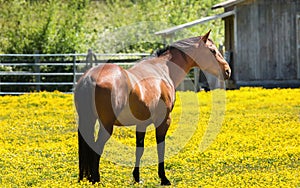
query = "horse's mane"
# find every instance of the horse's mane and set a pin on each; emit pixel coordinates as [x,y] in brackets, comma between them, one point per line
[161,51]
[181,45]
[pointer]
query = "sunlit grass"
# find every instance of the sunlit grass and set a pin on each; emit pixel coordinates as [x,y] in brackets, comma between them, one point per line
[258,144]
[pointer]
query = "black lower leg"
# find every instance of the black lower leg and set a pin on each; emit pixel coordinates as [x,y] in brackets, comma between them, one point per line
[103,136]
[140,136]
[160,140]
[136,174]
[88,161]
[162,175]
[94,176]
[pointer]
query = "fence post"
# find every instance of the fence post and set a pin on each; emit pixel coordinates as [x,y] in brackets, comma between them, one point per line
[37,70]
[74,71]
[89,59]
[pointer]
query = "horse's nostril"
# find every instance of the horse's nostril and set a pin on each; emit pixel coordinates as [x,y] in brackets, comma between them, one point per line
[228,72]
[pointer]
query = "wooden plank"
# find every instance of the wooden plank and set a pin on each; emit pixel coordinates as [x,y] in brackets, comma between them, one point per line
[227,3]
[285,68]
[239,45]
[263,22]
[283,64]
[267,65]
[290,70]
[247,42]
[276,39]
[235,39]
[253,55]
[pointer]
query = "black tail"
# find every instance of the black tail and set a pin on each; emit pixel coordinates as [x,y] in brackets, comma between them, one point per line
[84,97]
[88,161]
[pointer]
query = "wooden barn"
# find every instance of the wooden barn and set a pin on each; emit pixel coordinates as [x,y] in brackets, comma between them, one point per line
[262,41]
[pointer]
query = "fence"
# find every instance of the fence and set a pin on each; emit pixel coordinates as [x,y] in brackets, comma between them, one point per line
[78,63]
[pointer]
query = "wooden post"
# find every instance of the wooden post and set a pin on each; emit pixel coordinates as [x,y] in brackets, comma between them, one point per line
[37,70]
[89,59]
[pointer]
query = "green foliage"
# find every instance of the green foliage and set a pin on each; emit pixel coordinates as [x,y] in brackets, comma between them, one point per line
[53,26]
[44,26]
[148,17]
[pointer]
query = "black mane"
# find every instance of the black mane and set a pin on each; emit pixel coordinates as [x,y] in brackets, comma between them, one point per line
[183,45]
[161,51]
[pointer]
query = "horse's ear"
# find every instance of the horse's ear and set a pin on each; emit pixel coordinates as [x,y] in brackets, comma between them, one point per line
[205,37]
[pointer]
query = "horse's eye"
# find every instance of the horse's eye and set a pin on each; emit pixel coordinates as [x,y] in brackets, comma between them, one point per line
[213,51]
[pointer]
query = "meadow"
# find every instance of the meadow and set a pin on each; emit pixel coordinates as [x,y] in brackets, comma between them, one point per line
[256,146]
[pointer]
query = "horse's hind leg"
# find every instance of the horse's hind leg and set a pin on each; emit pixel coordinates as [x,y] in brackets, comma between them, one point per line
[161,131]
[88,157]
[103,136]
[140,136]
[90,151]
[90,148]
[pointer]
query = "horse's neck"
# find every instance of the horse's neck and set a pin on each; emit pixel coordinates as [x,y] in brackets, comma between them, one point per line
[179,66]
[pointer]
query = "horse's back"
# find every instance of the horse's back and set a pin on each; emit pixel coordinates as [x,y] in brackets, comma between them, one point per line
[152,92]
[104,76]
[107,86]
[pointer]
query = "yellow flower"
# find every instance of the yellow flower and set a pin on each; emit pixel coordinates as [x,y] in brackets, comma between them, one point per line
[257,144]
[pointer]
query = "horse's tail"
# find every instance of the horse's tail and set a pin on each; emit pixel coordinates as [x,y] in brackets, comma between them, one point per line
[87,116]
[88,161]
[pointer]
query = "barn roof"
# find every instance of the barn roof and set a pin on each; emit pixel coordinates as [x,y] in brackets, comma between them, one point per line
[227,3]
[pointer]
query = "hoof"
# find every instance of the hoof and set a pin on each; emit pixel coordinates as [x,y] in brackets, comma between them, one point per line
[138,182]
[136,175]
[94,180]
[165,181]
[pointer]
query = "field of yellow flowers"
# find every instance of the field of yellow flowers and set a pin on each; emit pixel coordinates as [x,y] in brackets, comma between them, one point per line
[258,144]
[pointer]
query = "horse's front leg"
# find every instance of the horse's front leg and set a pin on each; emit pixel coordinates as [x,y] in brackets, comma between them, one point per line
[160,140]
[140,137]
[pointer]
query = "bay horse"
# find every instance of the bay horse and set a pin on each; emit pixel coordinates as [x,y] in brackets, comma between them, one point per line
[141,95]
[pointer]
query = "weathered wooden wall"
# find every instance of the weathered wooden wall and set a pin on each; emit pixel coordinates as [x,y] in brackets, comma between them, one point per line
[266,40]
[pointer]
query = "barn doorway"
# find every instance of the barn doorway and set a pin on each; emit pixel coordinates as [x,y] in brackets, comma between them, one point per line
[229,44]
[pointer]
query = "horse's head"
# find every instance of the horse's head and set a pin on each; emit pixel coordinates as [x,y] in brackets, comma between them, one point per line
[221,62]
[202,53]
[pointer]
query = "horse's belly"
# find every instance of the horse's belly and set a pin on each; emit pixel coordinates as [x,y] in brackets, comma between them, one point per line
[127,118]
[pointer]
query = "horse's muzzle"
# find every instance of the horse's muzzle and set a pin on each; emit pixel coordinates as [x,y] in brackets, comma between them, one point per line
[227,74]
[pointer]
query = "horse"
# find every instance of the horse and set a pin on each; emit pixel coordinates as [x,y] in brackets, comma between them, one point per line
[141,95]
